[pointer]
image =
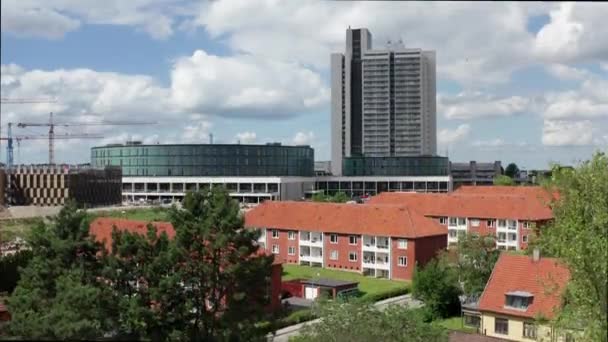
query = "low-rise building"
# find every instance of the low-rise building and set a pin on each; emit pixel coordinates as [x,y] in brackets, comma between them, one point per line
[380,241]
[512,214]
[522,297]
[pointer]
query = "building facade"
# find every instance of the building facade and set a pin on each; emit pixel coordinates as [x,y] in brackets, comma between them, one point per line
[206,160]
[50,185]
[358,186]
[513,216]
[251,173]
[474,173]
[383,101]
[521,298]
[395,166]
[379,241]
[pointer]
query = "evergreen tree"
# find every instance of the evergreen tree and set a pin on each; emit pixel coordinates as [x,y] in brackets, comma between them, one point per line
[222,291]
[59,295]
[512,170]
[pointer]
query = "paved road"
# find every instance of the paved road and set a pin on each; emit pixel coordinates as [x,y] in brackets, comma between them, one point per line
[284,334]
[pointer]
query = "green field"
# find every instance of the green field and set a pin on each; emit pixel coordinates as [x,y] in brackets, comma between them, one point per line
[369,287]
[10,229]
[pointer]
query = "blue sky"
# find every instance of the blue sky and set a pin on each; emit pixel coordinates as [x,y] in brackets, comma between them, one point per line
[526,83]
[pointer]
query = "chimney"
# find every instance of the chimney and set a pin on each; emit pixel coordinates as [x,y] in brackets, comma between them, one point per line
[536,255]
[210,138]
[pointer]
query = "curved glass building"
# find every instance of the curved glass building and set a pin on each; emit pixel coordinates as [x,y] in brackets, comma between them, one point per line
[206,160]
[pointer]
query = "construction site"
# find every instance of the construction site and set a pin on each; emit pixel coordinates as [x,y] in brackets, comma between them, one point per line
[55,182]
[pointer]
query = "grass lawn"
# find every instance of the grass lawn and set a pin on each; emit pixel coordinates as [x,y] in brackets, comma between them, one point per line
[368,286]
[142,214]
[10,229]
[455,323]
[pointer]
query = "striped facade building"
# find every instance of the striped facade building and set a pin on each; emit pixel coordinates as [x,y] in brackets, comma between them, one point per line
[50,185]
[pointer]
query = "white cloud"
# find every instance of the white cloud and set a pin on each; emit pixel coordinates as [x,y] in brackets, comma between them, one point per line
[590,101]
[246,137]
[567,133]
[564,72]
[576,32]
[196,133]
[469,105]
[447,136]
[55,18]
[304,138]
[243,85]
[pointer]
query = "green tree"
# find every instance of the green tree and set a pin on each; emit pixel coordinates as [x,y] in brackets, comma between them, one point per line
[140,268]
[59,294]
[476,258]
[320,197]
[579,237]
[339,197]
[221,293]
[360,322]
[9,269]
[512,170]
[503,180]
[437,286]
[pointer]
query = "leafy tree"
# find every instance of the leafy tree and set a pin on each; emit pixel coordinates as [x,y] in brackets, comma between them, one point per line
[59,295]
[220,295]
[579,237]
[503,180]
[476,258]
[437,286]
[339,197]
[512,170]
[360,322]
[320,197]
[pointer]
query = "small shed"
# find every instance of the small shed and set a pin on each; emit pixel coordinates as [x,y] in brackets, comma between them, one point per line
[313,288]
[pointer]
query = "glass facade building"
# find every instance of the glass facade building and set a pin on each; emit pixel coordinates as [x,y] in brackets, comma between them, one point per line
[221,160]
[395,166]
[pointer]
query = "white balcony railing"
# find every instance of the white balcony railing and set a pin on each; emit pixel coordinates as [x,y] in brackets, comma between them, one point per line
[311,258]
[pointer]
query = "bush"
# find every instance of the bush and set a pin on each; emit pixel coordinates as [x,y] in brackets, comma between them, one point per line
[372,298]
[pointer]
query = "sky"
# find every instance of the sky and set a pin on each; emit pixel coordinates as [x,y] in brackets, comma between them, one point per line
[516,82]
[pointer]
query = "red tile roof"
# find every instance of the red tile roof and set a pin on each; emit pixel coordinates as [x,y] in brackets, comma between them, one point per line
[509,206]
[396,221]
[102,227]
[529,191]
[545,279]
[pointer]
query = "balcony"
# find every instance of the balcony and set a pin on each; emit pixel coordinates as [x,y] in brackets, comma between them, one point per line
[312,239]
[375,243]
[311,258]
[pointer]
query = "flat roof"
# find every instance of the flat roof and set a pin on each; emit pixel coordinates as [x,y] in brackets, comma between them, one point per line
[328,282]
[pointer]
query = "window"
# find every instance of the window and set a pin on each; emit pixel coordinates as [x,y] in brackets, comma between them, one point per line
[472,321]
[453,233]
[502,223]
[475,223]
[501,326]
[333,255]
[462,221]
[518,302]
[452,221]
[443,220]
[352,239]
[524,238]
[275,234]
[490,223]
[352,256]
[333,238]
[526,225]
[291,235]
[530,330]
[291,250]
[275,249]
[512,224]
[402,244]
[402,261]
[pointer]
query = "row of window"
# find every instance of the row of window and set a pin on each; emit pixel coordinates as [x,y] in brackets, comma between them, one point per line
[333,255]
[501,326]
[460,221]
[333,238]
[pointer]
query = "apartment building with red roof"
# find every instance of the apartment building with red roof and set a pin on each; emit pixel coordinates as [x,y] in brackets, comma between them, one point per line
[512,214]
[375,240]
[522,296]
[101,229]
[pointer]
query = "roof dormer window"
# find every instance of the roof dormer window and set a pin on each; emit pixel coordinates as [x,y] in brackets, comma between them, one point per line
[518,300]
